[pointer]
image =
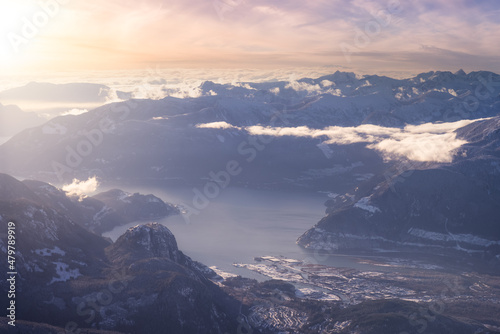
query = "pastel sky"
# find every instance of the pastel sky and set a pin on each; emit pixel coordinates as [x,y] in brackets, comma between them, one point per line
[373,36]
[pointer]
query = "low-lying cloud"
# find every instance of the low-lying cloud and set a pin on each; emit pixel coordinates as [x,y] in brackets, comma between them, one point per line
[426,142]
[74,112]
[81,188]
[217,125]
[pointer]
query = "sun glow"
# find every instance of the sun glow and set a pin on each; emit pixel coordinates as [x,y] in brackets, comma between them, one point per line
[23,24]
[13,15]
[11,20]
[61,35]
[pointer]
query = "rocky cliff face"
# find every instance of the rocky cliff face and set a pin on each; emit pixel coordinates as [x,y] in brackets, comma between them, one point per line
[151,240]
[171,290]
[125,207]
[69,276]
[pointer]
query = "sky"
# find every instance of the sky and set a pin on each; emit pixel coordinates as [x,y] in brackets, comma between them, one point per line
[358,35]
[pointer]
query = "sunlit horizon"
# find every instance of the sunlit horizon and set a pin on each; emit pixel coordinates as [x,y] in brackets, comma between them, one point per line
[360,36]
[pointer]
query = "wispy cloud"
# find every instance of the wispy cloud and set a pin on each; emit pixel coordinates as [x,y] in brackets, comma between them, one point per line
[217,125]
[426,142]
[133,34]
[74,112]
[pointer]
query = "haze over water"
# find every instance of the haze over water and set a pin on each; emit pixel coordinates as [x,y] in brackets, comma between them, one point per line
[241,224]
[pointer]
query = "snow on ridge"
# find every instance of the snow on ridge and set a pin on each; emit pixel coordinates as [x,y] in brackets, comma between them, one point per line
[153,199]
[331,241]
[144,230]
[339,326]
[50,252]
[465,238]
[64,273]
[221,273]
[364,204]
[98,216]
[123,196]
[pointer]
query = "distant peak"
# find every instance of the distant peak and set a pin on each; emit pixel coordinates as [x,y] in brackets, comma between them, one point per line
[153,239]
[209,84]
[344,75]
[12,189]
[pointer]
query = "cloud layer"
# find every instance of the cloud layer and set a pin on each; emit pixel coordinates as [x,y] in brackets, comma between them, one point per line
[426,142]
[81,188]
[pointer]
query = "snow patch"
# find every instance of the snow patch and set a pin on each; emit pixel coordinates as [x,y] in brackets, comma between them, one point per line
[341,326]
[50,252]
[64,273]
[465,238]
[152,199]
[364,204]
[98,216]
[327,151]
[123,197]
[224,274]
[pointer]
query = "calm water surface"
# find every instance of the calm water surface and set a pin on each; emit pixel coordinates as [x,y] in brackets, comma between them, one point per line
[241,224]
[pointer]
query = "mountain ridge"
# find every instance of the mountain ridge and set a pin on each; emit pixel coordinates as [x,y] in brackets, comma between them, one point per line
[447,207]
[153,136]
[64,271]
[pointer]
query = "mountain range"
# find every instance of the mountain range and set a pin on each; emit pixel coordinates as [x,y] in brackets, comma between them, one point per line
[161,139]
[14,120]
[352,135]
[411,165]
[449,206]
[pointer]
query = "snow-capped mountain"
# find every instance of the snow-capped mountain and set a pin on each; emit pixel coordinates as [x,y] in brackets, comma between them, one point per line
[445,207]
[343,133]
[162,139]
